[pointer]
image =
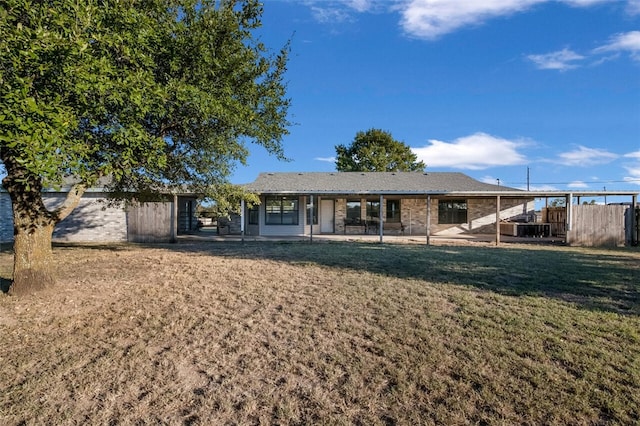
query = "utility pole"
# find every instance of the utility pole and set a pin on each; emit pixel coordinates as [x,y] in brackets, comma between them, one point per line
[527,178]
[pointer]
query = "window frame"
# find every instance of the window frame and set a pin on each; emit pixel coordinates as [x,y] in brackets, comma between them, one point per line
[349,216]
[370,210]
[453,211]
[392,214]
[276,207]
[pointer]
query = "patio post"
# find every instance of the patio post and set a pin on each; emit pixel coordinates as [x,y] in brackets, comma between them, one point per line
[497,220]
[428,219]
[569,214]
[381,221]
[634,221]
[311,224]
[174,219]
[242,220]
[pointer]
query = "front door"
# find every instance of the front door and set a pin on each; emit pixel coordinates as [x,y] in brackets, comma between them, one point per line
[326,216]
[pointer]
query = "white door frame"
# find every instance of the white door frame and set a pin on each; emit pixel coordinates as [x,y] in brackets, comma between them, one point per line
[327,216]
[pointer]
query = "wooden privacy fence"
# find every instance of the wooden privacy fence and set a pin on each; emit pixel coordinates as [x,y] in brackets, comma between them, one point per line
[594,225]
[150,222]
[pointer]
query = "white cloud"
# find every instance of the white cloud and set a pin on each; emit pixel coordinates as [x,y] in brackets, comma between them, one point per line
[623,42]
[578,184]
[634,175]
[583,156]
[542,187]
[360,5]
[633,7]
[561,60]
[340,11]
[326,159]
[567,59]
[633,169]
[474,152]
[431,19]
[330,14]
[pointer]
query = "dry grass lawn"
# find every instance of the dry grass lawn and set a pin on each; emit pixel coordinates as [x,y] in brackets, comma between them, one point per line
[328,333]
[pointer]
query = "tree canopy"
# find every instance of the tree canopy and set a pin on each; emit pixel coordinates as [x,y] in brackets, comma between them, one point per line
[376,150]
[158,93]
[163,91]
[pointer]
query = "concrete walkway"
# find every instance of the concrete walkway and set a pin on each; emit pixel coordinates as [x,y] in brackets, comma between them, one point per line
[485,239]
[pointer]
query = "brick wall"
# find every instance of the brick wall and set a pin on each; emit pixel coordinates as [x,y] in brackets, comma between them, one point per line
[413,215]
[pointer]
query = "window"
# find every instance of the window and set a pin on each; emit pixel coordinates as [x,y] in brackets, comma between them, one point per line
[373,210]
[254,214]
[312,212]
[353,211]
[452,211]
[393,210]
[281,211]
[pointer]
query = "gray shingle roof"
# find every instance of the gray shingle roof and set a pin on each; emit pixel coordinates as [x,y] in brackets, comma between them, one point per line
[369,183]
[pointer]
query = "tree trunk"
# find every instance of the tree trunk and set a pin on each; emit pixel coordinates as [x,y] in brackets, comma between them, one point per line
[32,232]
[33,224]
[33,258]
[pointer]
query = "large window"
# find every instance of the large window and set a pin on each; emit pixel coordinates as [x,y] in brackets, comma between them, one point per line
[393,210]
[281,210]
[373,210]
[312,211]
[452,211]
[353,211]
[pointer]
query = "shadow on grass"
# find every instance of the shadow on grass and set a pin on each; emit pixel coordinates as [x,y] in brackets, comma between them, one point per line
[606,280]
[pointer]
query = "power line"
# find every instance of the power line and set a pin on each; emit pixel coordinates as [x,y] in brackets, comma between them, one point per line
[574,181]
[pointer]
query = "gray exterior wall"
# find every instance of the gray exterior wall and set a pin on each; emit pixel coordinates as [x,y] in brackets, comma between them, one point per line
[93,220]
[6,218]
[97,220]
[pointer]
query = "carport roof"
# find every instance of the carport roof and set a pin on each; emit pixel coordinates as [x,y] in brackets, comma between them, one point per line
[386,183]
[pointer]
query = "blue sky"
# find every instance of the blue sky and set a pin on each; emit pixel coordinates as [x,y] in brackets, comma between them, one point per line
[489,88]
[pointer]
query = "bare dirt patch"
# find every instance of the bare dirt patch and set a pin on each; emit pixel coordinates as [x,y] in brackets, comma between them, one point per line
[269,333]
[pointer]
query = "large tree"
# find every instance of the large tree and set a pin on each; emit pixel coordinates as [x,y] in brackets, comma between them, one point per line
[147,93]
[376,151]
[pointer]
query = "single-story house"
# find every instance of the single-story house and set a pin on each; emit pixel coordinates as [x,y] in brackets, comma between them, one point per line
[408,203]
[416,203]
[99,219]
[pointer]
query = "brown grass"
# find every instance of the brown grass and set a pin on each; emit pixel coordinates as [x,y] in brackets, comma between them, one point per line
[273,333]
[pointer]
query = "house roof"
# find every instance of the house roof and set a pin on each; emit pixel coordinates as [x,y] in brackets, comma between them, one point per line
[379,183]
